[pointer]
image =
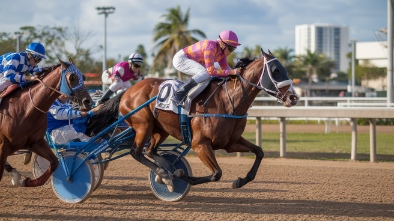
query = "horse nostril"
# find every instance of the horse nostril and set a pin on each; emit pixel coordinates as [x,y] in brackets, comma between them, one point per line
[293,97]
[86,102]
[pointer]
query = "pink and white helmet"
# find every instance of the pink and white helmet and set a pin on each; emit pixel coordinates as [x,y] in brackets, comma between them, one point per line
[229,37]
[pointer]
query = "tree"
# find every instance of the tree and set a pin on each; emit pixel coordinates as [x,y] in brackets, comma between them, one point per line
[145,66]
[368,71]
[58,42]
[314,63]
[171,36]
[284,55]
[249,52]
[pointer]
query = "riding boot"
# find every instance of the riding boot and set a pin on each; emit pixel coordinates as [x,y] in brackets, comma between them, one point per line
[181,93]
[105,97]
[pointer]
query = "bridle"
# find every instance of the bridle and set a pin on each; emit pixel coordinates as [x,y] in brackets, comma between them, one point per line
[69,92]
[277,93]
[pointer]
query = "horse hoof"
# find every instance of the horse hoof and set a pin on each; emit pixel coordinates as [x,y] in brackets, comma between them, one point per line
[179,173]
[237,183]
[27,158]
[168,182]
[158,180]
[15,177]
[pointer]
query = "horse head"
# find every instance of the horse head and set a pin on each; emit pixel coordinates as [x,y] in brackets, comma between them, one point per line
[273,78]
[72,84]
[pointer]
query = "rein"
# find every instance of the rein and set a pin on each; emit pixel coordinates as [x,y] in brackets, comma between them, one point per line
[34,105]
[49,87]
[277,94]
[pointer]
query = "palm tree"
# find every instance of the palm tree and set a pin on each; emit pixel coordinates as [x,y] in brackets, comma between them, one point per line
[284,55]
[313,63]
[173,35]
[249,52]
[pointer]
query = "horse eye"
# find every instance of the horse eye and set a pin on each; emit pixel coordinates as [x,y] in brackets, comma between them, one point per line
[72,77]
[276,72]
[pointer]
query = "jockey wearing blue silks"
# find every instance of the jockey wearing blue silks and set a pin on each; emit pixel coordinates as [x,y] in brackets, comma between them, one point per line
[13,66]
[65,123]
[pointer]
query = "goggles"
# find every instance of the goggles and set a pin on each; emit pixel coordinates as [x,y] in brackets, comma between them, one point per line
[229,47]
[36,58]
[136,65]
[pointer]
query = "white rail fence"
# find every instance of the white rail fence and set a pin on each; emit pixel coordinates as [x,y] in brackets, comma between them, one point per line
[322,112]
[331,101]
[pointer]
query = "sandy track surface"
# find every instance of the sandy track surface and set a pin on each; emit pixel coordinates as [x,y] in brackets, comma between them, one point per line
[284,189]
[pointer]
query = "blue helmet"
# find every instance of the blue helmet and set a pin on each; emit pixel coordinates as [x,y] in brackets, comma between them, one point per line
[36,49]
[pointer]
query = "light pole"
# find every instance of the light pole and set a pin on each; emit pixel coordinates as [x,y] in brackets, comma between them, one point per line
[353,67]
[390,52]
[18,39]
[105,11]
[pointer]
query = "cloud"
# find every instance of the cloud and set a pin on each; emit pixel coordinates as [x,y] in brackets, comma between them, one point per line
[268,23]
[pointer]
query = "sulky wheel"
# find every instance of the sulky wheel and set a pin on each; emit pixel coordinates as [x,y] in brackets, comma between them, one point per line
[40,165]
[98,168]
[82,183]
[181,188]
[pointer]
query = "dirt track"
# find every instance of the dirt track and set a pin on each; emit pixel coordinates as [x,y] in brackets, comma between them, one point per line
[284,189]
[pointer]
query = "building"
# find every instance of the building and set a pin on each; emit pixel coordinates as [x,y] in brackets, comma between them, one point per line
[373,53]
[324,38]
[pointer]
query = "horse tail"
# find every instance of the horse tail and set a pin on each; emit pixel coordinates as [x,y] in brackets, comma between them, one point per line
[105,116]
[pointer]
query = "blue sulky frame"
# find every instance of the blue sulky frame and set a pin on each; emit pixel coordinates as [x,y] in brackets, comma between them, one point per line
[82,165]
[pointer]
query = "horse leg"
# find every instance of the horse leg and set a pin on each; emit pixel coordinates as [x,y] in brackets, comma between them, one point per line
[157,138]
[42,149]
[207,157]
[4,165]
[242,145]
[137,154]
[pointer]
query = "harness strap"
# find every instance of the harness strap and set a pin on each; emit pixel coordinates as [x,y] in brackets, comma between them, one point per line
[231,102]
[219,115]
[210,96]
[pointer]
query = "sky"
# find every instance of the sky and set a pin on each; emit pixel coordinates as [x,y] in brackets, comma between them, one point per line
[268,23]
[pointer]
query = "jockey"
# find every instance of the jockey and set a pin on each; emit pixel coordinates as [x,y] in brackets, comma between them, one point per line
[120,75]
[61,118]
[14,65]
[198,60]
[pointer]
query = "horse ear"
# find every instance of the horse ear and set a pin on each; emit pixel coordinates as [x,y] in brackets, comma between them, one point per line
[71,60]
[64,65]
[270,52]
[262,51]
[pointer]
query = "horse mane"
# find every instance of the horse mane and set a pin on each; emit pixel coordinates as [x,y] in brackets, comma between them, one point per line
[243,62]
[43,73]
[46,70]
[105,116]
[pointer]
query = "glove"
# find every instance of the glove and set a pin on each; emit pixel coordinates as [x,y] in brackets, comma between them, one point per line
[237,71]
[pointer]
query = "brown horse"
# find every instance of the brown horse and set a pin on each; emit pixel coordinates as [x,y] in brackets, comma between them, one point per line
[208,133]
[23,115]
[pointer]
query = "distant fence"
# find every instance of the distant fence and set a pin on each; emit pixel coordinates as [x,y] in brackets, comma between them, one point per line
[283,113]
[325,101]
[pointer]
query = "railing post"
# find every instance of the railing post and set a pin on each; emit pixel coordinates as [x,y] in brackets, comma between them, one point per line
[282,139]
[353,155]
[372,140]
[258,131]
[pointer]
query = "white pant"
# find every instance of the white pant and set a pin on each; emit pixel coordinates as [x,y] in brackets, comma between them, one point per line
[190,67]
[66,133]
[4,82]
[116,84]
